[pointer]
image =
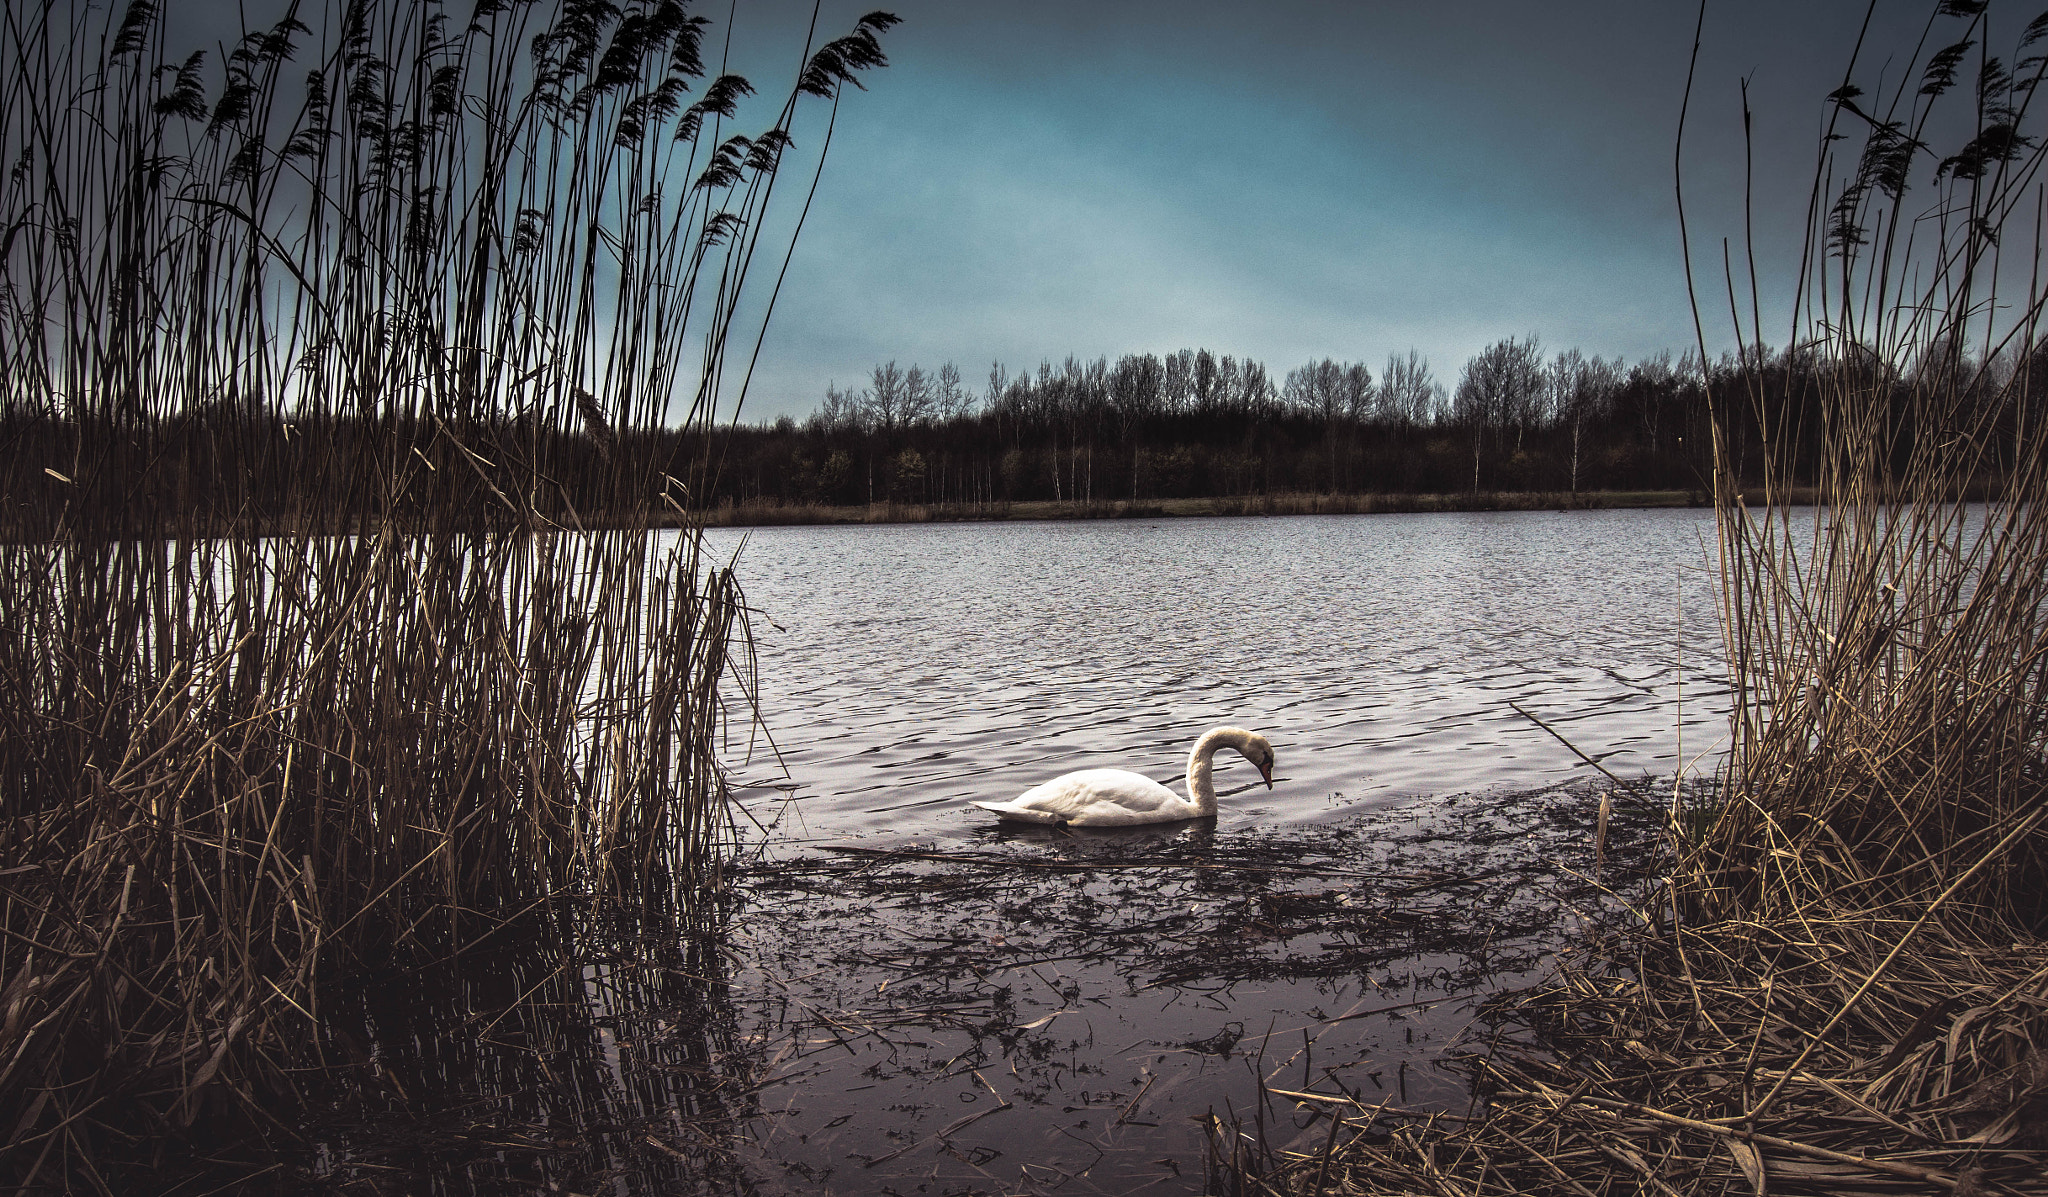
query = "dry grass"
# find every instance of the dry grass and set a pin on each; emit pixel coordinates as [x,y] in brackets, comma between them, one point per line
[1842,986]
[244,752]
[1698,1069]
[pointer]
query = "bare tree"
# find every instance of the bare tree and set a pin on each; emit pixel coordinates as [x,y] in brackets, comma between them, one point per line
[1500,387]
[998,383]
[1315,390]
[1177,382]
[842,409]
[885,397]
[1135,387]
[1359,396]
[1653,383]
[1330,392]
[919,397]
[1524,401]
[1570,386]
[951,398]
[1204,380]
[1408,395]
[1256,394]
[1489,393]
[1136,390]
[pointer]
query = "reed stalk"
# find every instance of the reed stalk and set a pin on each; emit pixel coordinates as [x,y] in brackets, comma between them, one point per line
[317,359]
[1843,987]
[1888,653]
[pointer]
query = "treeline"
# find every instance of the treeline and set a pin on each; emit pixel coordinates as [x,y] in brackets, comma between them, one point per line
[1200,424]
[1192,424]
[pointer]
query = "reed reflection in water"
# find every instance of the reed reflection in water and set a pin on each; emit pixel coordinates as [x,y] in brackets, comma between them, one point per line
[907,669]
[570,1051]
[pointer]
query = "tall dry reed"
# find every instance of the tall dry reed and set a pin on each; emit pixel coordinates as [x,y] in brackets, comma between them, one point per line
[316,360]
[1843,986]
[1889,652]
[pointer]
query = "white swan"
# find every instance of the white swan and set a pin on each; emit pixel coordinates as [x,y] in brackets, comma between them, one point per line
[1120,798]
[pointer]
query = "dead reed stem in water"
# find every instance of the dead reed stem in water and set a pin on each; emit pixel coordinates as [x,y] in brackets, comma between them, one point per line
[1644,1068]
[312,357]
[1600,829]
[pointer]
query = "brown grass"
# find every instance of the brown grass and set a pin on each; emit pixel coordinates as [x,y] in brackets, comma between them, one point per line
[1691,1060]
[244,759]
[1840,985]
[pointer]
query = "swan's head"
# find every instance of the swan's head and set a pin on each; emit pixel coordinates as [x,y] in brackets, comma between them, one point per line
[1260,753]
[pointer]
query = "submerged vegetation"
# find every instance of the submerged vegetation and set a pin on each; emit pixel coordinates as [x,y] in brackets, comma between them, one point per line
[310,665]
[1843,987]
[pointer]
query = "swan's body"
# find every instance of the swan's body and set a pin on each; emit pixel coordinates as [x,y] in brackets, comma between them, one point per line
[1120,798]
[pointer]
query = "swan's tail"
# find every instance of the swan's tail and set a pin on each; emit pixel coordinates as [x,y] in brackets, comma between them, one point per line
[1020,814]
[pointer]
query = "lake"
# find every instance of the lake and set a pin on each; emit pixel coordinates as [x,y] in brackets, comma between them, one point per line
[984,1008]
[902,996]
[907,669]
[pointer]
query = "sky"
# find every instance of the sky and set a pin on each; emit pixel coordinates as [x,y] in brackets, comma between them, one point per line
[1290,181]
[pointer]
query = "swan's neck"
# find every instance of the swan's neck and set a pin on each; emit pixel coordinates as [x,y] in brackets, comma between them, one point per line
[1201,765]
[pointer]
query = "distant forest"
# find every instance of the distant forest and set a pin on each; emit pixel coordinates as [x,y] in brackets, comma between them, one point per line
[1196,424]
[1189,425]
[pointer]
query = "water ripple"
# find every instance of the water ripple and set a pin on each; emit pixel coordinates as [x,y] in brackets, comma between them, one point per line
[911,668]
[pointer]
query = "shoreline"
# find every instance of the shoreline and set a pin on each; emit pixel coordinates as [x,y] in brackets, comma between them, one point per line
[776,514]
[772,514]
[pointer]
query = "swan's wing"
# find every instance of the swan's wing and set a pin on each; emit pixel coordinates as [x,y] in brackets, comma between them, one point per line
[1015,813]
[1100,797]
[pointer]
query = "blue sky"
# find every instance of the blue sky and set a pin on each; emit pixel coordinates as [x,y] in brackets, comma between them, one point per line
[1288,181]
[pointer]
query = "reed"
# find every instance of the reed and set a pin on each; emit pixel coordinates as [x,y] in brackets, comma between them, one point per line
[1843,985]
[309,662]
[1887,654]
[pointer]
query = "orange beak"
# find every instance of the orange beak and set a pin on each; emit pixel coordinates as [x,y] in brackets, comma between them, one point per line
[1266,771]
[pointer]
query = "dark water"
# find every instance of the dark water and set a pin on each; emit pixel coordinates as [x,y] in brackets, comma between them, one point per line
[951,1007]
[908,669]
[1096,1014]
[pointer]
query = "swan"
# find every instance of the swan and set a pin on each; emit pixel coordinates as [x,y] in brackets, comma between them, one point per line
[1120,798]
